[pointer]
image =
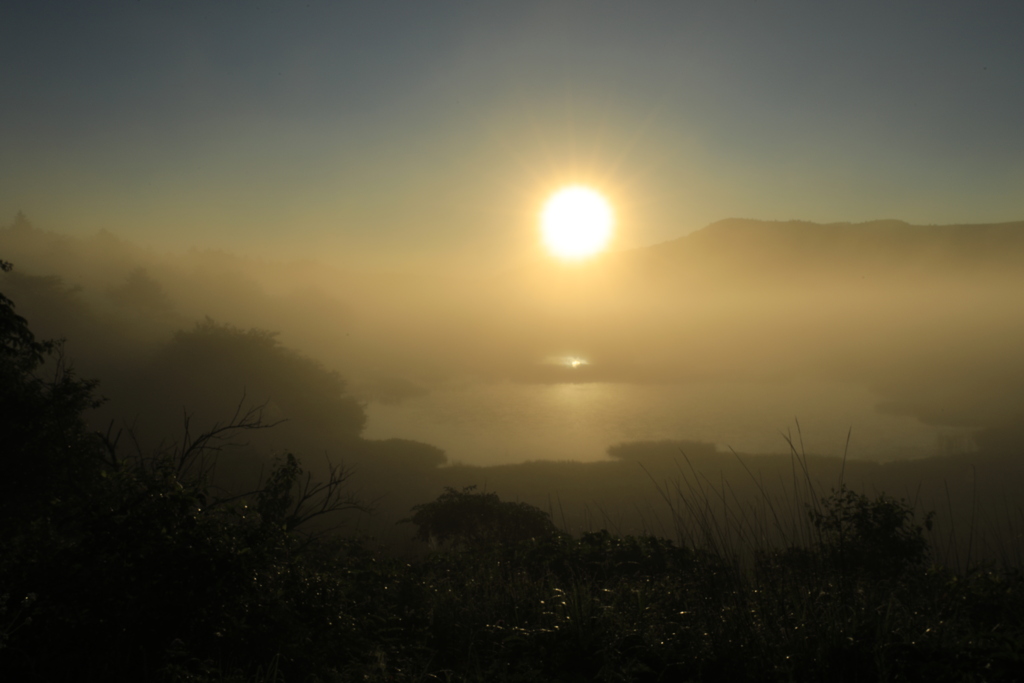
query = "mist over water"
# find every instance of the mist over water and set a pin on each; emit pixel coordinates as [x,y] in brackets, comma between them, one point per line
[906,336]
[580,385]
[503,423]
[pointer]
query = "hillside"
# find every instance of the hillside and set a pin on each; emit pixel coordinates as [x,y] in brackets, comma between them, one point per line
[787,251]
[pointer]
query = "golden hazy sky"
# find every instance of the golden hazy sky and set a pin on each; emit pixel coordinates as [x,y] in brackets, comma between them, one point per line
[423,128]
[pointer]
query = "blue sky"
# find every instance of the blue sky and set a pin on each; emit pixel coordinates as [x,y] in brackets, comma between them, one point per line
[428,128]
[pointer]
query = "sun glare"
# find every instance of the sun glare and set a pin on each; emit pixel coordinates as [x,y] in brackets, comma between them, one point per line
[576,222]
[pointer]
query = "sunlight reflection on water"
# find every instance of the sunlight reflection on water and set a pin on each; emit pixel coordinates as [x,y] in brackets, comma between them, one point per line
[497,423]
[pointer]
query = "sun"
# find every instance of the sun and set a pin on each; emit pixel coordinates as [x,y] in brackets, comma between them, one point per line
[576,222]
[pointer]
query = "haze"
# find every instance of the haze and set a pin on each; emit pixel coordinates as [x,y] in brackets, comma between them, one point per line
[817,219]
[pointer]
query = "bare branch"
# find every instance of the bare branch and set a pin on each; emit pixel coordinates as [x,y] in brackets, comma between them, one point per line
[192,456]
[318,498]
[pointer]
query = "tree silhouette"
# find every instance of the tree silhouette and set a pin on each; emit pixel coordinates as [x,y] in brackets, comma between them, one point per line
[472,519]
[877,537]
[46,448]
[206,369]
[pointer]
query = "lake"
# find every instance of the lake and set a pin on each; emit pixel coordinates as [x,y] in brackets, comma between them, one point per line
[499,423]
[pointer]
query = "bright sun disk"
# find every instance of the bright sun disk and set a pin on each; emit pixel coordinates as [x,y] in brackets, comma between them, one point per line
[576,222]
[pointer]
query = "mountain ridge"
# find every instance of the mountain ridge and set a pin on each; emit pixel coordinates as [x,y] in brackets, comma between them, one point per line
[735,247]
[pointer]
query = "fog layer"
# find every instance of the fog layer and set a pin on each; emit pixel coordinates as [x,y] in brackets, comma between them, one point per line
[913,330]
[925,318]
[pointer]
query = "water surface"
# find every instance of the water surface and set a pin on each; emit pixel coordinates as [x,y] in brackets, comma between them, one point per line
[497,423]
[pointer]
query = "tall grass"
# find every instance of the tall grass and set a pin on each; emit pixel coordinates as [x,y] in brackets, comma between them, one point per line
[812,585]
[809,584]
[713,516]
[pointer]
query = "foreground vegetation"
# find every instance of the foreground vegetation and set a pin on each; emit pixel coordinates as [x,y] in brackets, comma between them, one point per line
[119,564]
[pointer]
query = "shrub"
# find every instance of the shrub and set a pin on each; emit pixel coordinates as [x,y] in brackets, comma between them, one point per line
[877,537]
[471,519]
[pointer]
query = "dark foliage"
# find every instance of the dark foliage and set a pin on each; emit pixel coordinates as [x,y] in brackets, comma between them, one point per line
[211,365]
[878,536]
[46,450]
[476,519]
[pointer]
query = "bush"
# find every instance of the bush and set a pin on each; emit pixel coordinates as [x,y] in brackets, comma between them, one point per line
[876,537]
[470,519]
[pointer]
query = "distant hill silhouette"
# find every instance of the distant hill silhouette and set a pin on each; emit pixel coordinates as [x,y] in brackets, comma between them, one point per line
[738,247]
